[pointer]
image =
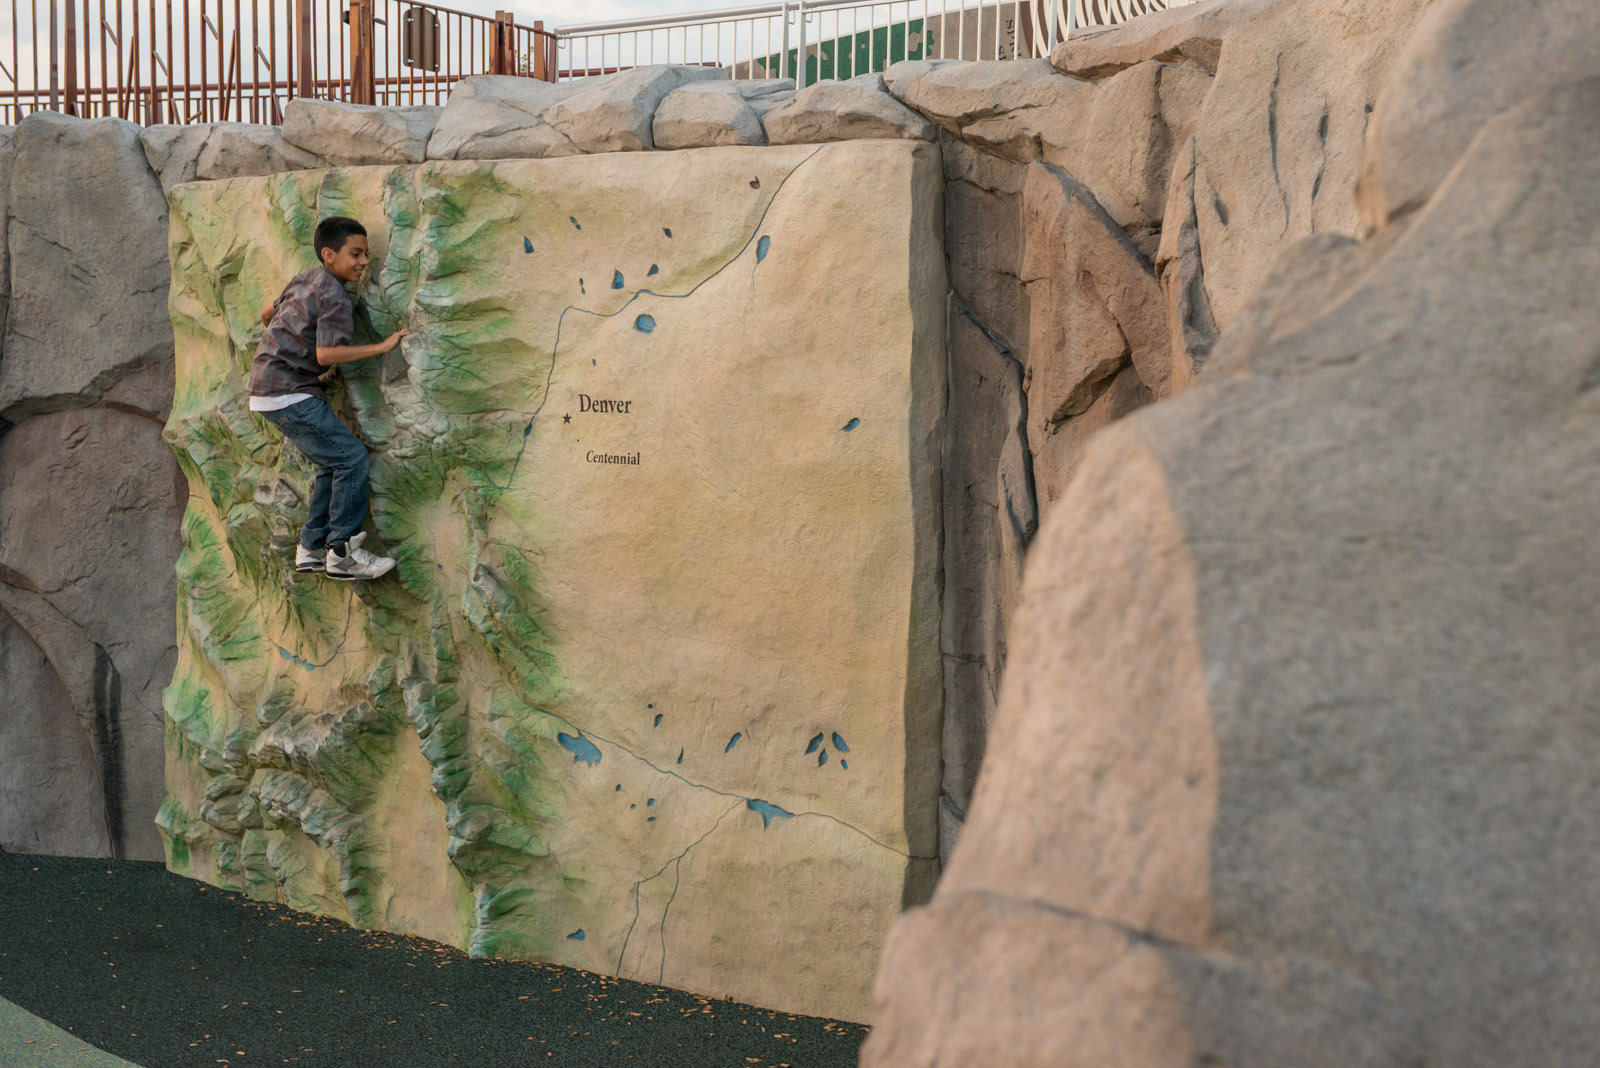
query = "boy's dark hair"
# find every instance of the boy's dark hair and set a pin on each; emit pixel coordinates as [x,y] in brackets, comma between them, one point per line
[333,231]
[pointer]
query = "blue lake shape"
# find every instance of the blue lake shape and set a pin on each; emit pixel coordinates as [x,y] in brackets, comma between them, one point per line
[287,655]
[815,742]
[616,280]
[838,743]
[851,425]
[580,747]
[527,245]
[653,270]
[645,324]
[733,742]
[577,936]
[763,247]
[768,810]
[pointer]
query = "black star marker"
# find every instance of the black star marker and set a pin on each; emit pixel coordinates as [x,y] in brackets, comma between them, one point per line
[566,418]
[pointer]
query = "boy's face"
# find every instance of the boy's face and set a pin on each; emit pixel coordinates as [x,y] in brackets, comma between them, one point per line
[351,259]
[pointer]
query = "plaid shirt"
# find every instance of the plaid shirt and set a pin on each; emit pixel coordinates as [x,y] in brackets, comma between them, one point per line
[313,310]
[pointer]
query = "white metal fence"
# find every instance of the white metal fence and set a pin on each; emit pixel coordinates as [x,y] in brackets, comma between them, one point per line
[815,40]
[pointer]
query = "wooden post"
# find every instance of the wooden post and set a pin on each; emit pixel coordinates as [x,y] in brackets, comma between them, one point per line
[55,87]
[72,60]
[501,57]
[362,75]
[305,56]
[540,56]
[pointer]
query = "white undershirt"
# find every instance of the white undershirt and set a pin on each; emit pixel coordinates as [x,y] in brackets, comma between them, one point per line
[273,404]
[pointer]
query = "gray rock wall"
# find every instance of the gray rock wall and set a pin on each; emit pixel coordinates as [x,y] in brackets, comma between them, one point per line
[90,497]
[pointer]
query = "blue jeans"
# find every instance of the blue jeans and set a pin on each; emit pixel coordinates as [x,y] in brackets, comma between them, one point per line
[339,492]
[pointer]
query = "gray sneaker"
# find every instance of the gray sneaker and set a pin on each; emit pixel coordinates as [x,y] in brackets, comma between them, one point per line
[356,562]
[309,559]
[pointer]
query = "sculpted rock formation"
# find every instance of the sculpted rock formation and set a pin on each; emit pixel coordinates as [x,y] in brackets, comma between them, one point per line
[1012,108]
[173,152]
[1190,35]
[656,689]
[1293,94]
[234,149]
[91,508]
[1109,274]
[352,135]
[87,294]
[1288,767]
[705,114]
[844,111]
[1466,64]
[497,116]
[616,114]
[89,496]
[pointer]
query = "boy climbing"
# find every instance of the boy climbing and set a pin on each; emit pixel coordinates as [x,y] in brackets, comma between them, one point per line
[310,328]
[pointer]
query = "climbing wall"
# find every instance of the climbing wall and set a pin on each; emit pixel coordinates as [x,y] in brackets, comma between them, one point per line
[654,689]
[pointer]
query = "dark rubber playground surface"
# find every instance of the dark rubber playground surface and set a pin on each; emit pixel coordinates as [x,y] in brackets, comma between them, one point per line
[169,973]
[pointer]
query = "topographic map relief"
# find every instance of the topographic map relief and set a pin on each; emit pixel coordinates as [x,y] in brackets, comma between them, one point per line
[655,687]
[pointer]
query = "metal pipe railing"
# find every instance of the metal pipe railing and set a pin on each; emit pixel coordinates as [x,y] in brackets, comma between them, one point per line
[877,33]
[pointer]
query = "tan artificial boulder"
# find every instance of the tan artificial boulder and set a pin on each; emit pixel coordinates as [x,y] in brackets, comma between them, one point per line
[1188,35]
[1278,141]
[174,151]
[990,507]
[88,539]
[1012,108]
[1294,757]
[1137,121]
[243,150]
[355,134]
[706,114]
[87,265]
[1191,325]
[496,116]
[614,113]
[986,233]
[1095,310]
[1468,61]
[990,514]
[844,111]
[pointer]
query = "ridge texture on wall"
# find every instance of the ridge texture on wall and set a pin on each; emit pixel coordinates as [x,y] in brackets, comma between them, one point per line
[655,688]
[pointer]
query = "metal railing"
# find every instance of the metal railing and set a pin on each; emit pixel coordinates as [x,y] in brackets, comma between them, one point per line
[243,60]
[838,38]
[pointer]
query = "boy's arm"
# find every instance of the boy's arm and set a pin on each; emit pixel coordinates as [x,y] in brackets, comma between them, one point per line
[329,355]
[266,313]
